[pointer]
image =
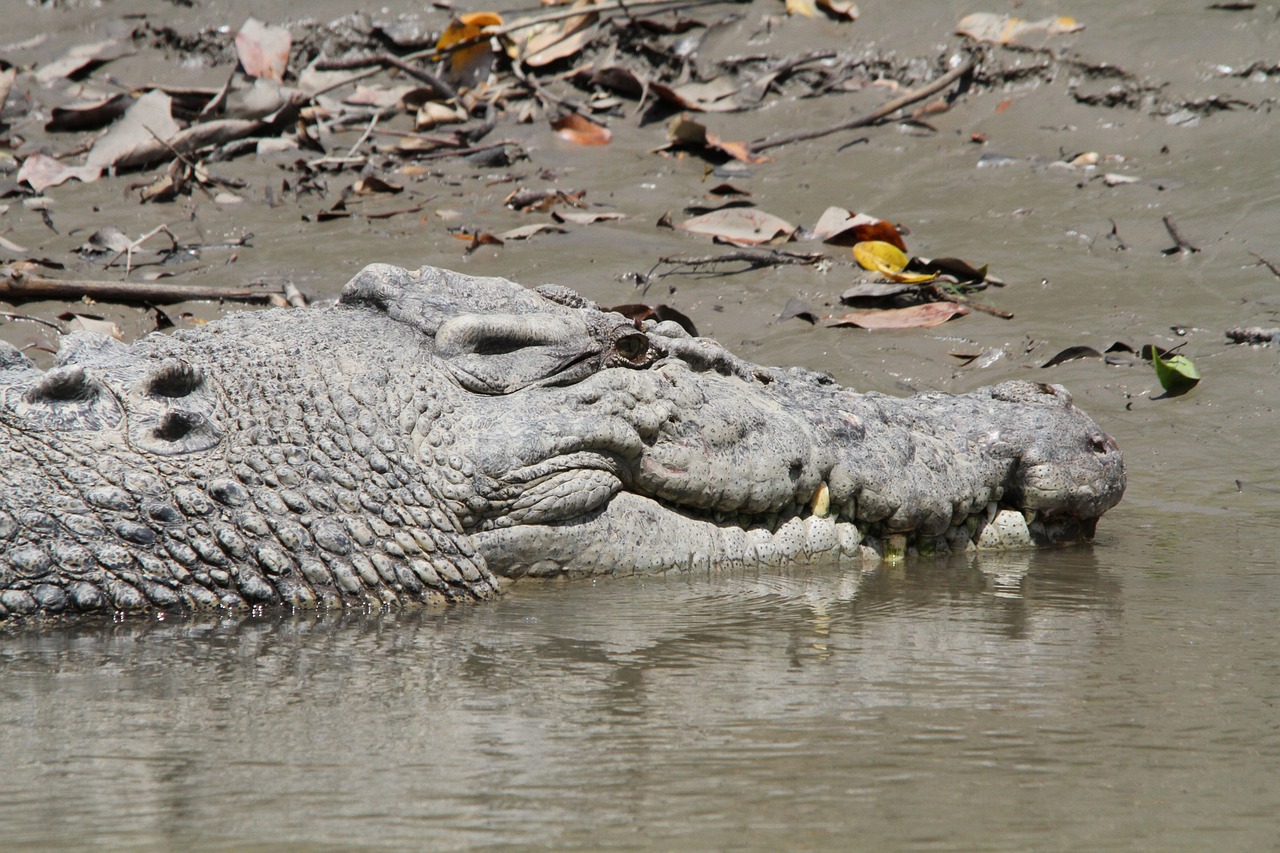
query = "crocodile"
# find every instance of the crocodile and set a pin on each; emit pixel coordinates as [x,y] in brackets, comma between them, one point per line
[433,435]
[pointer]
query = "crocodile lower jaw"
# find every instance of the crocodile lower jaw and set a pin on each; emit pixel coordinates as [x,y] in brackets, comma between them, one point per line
[638,535]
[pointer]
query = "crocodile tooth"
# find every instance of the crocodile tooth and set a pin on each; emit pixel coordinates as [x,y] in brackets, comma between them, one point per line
[820,505]
[822,535]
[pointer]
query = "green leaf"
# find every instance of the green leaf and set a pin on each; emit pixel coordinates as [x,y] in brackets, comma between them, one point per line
[1176,373]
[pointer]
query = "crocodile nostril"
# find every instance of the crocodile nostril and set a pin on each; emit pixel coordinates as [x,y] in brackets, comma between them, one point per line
[174,378]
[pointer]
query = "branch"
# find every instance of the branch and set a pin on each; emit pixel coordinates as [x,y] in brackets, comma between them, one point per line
[19,286]
[876,115]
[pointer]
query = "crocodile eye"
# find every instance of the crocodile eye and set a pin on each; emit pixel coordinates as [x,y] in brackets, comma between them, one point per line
[632,347]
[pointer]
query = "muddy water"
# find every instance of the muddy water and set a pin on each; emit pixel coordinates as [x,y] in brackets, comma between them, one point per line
[1118,697]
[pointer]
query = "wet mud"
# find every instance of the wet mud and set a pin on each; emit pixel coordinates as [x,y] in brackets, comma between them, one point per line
[1119,180]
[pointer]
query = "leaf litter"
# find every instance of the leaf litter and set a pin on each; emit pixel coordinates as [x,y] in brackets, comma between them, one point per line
[455,88]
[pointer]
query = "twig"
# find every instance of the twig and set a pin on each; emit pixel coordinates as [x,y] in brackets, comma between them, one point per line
[1180,244]
[755,260]
[34,287]
[386,60]
[127,251]
[1275,270]
[466,152]
[758,258]
[13,318]
[182,159]
[949,296]
[875,115]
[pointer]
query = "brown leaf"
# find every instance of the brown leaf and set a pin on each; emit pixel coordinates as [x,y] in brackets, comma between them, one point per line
[133,141]
[586,217]
[82,58]
[1071,353]
[7,76]
[684,132]
[876,290]
[373,185]
[542,200]
[713,96]
[841,227]
[558,40]
[741,226]
[914,317]
[660,313]
[87,116]
[469,65]
[579,129]
[263,50]
[617,79]
[40,171]
[524,232]
[1005,29]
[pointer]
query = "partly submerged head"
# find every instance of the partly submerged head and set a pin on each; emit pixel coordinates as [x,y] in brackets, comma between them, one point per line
[585,443]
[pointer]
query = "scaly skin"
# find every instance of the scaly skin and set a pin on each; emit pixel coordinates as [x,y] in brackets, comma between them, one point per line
[434,434]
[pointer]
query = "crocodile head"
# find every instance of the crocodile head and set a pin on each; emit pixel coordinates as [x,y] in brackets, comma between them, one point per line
[579,441]
[435,430]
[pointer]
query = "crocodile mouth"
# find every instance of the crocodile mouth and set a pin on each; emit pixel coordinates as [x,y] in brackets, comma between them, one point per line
[632,533]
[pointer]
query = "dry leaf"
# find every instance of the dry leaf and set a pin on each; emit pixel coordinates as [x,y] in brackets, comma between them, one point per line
[586,217]
[841,227]
[558,40]
[1005,29]
[7,76]
[123,146]
[80,58]
[710,97]
[888,260]
[577,128]
[434,113]
[84,322]
[915,317]
[374,186]
[840,9]
[808,8]
[684,132]
[87,116]
[263,49]
[40,171]
[524,232]
[469,65]
[743,226]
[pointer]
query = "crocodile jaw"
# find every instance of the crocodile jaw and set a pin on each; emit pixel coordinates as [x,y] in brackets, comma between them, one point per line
[635,534]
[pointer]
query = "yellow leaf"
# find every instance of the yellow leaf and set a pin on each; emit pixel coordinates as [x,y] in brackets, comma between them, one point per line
[888,260]
[880,256]
[469,64]
[909,277]
[802,7]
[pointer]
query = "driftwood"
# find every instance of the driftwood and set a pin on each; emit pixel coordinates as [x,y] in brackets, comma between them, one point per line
[17,287]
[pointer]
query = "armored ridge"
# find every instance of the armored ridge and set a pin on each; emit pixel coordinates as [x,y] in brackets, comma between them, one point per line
[434,434]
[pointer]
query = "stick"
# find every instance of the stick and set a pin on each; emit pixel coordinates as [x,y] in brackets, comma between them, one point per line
[1180,244]
[948,296]
[875,115]
[34,287]
[1266,263]
[385,60]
